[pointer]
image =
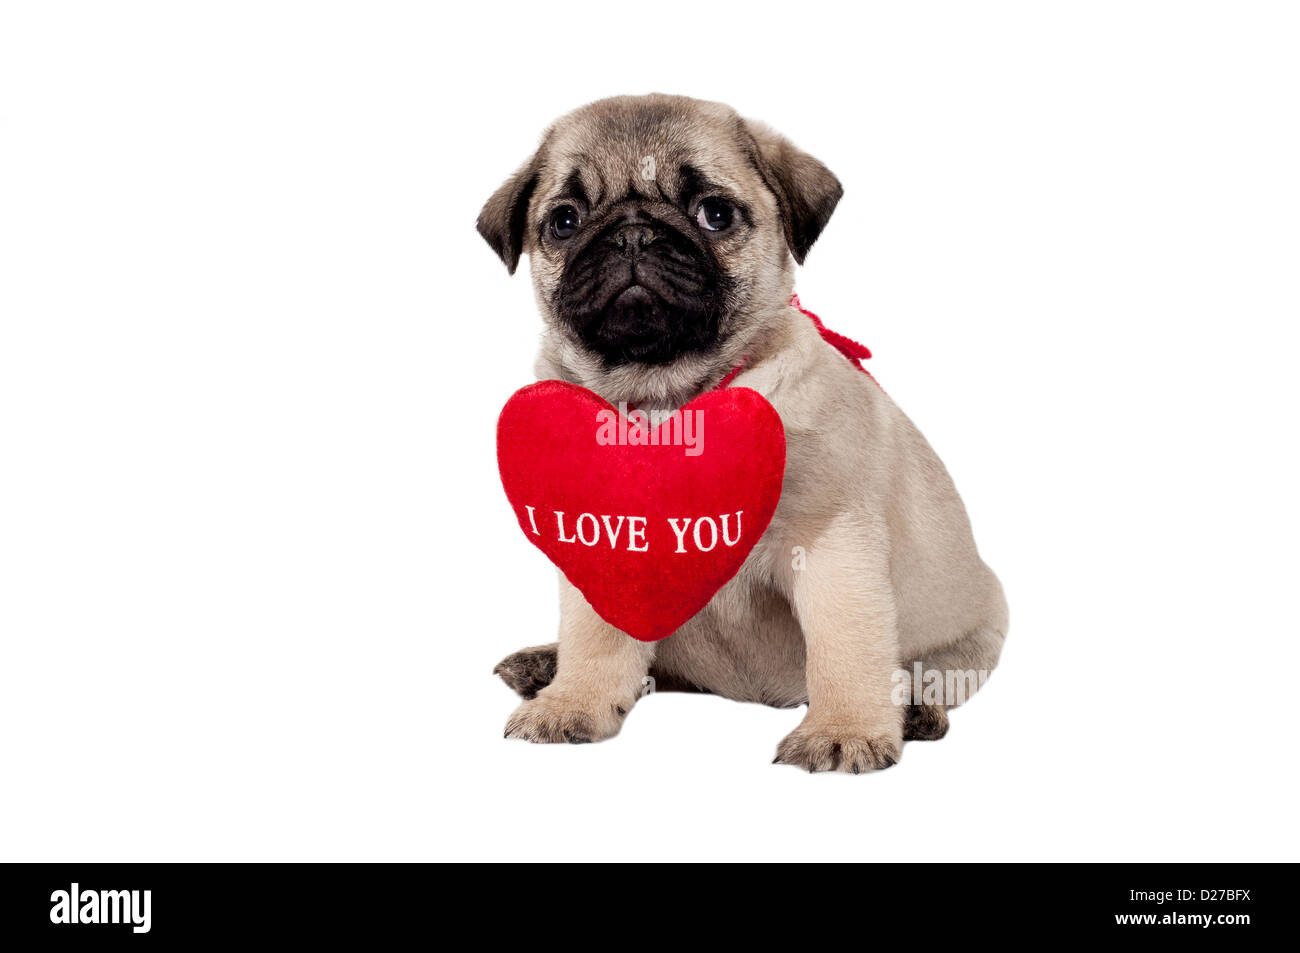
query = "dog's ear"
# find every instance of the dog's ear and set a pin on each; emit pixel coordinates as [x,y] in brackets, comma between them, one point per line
[806,191]
[505,215]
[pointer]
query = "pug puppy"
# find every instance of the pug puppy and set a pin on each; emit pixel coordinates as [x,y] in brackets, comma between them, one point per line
[662,234]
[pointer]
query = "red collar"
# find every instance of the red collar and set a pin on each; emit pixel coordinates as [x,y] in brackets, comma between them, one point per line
[855,352]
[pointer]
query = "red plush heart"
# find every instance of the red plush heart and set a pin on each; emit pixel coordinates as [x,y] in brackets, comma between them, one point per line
[647,523]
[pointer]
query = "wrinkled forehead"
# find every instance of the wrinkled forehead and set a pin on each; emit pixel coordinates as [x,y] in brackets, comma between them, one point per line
[606,156]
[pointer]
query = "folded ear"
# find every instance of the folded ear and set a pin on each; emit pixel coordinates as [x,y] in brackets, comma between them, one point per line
[505,215]
[806,191]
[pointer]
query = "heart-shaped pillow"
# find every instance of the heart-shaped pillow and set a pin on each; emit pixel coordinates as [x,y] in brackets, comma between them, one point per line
[648,522]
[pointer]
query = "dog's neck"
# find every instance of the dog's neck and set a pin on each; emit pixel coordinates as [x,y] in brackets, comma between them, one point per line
[664,387]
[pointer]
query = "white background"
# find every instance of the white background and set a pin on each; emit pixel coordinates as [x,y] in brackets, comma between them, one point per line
[255,562]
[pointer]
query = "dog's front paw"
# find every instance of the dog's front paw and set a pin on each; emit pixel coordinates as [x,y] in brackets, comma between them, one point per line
[853,748]
[555,719]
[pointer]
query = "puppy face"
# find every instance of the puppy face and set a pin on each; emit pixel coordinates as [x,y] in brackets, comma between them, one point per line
[658,227]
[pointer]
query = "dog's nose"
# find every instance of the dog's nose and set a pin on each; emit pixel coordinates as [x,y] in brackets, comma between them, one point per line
[634,236]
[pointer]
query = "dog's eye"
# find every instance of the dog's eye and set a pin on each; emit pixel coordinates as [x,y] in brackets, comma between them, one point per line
[564,222]
[714,215]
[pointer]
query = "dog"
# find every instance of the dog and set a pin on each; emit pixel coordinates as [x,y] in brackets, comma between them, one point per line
[662,234]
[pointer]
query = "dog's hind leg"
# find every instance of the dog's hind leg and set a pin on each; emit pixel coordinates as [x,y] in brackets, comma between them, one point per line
[952,674]
[924,723]
[961,668]
[975,655]
[528,671]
